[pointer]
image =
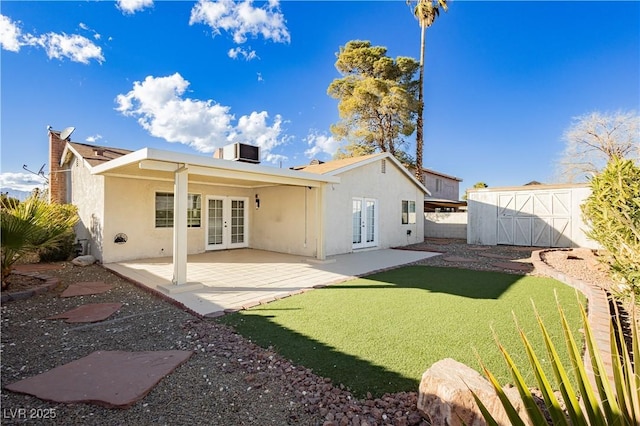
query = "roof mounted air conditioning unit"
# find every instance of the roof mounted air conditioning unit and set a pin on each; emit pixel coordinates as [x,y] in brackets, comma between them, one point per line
[239,152]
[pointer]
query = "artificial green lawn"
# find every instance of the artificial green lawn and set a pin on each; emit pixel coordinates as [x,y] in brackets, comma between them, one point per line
[380,333]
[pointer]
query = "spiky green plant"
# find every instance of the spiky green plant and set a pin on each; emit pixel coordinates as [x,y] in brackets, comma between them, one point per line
[30,226]
[604,402]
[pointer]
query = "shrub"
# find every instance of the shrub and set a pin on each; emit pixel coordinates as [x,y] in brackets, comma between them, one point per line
[62,251]
[613,210]
[32,225]
[600,403]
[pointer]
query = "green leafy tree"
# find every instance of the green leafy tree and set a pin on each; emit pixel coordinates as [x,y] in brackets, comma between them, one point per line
[31,226]
[613,211]
[426,12]
[377,99]
[476,185]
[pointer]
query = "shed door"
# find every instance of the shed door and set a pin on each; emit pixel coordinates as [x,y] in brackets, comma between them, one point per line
[364,219]
[535,218]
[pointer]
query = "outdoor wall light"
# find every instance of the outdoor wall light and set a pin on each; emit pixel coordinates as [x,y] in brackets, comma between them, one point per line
[257,202]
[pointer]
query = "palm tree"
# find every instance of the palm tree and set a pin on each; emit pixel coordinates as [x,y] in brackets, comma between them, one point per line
[426,12]
[30,226]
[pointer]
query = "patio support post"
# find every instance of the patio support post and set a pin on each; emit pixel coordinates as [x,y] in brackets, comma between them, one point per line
[180,226]
[320,211]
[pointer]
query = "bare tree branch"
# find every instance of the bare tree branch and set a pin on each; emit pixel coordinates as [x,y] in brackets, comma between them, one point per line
[595,138]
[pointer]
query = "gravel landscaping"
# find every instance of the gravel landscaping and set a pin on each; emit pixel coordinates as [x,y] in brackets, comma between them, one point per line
[228,380]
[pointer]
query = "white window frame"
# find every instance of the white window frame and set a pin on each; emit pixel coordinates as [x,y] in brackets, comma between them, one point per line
[194,215]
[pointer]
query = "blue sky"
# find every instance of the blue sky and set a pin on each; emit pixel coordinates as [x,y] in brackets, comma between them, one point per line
[504,79]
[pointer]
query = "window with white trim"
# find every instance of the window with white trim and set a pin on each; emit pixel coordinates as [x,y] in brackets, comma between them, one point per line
[164,210]
[408,212]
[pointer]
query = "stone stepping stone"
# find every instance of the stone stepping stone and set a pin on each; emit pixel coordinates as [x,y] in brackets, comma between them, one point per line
[516,266]
[92,312]
[495,256]
[86,288]
[458,259]
[113,379]
[36,267]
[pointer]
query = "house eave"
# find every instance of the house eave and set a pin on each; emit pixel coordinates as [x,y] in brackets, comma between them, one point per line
[167,161]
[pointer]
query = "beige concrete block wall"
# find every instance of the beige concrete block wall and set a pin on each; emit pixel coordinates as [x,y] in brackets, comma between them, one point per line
[445,225]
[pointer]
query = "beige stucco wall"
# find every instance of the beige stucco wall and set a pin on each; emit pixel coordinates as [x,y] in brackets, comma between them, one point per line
[285,221]
[449,189]
[389,189]
[88,195]
[131,210]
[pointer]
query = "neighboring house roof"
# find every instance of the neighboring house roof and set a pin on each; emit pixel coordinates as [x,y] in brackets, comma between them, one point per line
[335,167]
[433,172]
[94,155]
[529,187]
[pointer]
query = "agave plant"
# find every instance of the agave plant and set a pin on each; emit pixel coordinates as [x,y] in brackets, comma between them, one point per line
[603,401]
[32,225]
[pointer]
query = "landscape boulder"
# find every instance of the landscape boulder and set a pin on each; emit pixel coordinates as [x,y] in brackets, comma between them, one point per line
[445,396]
[84,260]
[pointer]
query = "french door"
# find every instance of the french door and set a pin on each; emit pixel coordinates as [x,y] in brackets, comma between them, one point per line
[227,223]
[364,216]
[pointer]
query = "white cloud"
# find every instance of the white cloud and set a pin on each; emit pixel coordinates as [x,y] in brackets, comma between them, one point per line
[242,19]
[10,34]
[74,47]
[161,108]
[253,129]
[260,77]
[129,7]
[21,181]
[93,139]
[58,46]
[239,51]
[320,143]
[85,27]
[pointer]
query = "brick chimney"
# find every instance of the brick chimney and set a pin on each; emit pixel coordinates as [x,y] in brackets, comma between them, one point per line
[57,178]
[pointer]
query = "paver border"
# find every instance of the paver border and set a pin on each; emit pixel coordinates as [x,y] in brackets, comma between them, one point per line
[48,284]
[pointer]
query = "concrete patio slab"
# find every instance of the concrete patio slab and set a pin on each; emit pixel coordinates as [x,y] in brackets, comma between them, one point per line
[233,279]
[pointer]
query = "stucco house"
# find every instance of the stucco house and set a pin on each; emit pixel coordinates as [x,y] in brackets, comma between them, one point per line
[445,192]
[152,203]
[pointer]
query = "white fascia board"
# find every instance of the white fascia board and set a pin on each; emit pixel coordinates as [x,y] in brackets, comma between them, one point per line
[150,158]
[382,155]
[125,160]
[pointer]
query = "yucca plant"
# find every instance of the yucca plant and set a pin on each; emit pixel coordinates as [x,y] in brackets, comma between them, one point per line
[30,226]
[604,401]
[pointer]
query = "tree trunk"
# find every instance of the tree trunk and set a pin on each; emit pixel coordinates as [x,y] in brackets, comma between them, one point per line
[419,123]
